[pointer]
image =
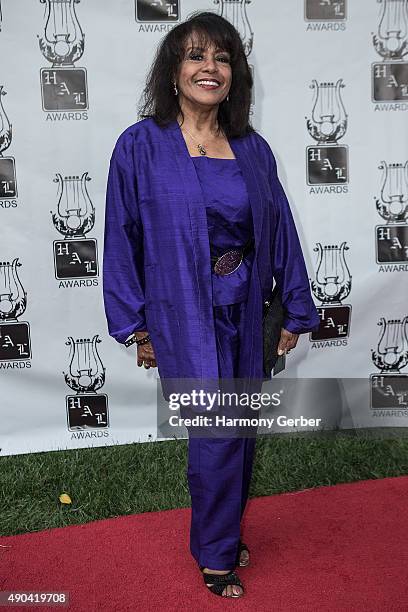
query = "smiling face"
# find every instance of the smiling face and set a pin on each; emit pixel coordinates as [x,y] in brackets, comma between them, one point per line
[205,74]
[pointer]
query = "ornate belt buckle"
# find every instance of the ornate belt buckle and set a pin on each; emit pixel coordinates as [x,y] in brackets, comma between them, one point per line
[228,262]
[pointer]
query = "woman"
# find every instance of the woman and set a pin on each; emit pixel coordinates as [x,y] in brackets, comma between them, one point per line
[189,182]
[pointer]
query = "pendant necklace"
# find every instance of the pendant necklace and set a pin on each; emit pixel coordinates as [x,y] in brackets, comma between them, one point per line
[201,148]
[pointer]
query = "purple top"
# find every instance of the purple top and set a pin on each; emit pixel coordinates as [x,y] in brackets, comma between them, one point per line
[229,220]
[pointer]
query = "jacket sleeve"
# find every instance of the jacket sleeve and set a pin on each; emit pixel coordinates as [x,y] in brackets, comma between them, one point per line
[289,266]
[123,268]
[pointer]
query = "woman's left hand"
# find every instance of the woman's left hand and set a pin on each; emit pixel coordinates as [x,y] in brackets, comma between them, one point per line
[287,341]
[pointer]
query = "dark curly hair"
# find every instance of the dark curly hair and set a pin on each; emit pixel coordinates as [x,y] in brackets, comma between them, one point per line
[158,99]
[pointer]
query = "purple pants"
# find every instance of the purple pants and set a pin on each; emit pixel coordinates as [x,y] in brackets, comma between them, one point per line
[219,469]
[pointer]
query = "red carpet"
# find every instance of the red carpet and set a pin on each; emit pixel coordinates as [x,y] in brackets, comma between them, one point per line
[333,548]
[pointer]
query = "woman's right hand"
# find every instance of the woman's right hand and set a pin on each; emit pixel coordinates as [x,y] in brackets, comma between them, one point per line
[145,352]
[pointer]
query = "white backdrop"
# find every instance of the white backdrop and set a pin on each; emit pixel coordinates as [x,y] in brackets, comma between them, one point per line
[62,121]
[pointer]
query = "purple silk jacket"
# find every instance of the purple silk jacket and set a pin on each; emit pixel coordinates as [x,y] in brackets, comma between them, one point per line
[156,262]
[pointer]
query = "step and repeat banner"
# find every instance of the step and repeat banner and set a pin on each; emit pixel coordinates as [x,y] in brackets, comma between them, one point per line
[330,96]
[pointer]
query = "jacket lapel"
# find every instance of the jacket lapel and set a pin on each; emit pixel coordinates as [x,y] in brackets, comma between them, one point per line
[240,148]
[201,282]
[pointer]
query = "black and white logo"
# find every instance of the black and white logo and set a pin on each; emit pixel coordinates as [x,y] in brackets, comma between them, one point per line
[389,387]
[15,342]
[331,286]
[391,238]
[389,78]
[63,86]
[8,180]
[87,409]
[327,162]
[76,256]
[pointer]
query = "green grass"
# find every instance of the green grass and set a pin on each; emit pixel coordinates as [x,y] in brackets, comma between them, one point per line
[117,480]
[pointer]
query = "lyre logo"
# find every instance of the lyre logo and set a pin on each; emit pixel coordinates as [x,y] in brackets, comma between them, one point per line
[86,372]
[389,388]
[75,256]
[331,286]
[8,181]
[63,86]
[391,40]
[392,206]
[14,335]
[329,118]
[327,162]
[13,297]
[63,41]
[87,409]
[391,354]
[75,214]
[390,77]
[333,278]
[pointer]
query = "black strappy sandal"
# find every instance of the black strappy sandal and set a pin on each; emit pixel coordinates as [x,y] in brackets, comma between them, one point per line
[241,548]
[216,583]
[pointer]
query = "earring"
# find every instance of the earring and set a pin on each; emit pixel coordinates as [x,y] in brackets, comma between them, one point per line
[175,88]
[227,98]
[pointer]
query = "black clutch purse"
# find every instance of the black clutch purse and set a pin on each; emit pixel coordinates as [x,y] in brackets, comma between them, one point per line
[272,320]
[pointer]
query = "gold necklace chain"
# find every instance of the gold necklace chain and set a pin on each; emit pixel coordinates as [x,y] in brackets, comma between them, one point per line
[201,148]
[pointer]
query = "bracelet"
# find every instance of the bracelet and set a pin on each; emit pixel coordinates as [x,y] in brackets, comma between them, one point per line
[144,340]
[139,342]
